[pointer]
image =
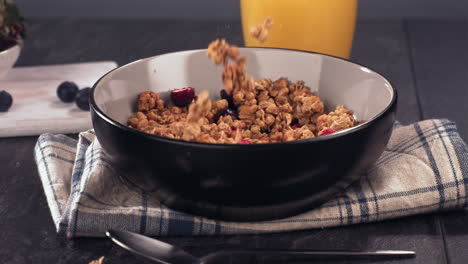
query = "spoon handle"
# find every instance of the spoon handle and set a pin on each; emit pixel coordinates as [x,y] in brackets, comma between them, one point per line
[390,253]
[313,253]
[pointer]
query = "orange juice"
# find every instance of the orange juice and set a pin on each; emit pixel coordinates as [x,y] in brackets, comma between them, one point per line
[325,26]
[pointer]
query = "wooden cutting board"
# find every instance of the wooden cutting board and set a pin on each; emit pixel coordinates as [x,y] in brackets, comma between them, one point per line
[36,108]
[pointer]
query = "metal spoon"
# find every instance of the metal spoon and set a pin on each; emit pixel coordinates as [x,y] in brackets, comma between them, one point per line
[164,253]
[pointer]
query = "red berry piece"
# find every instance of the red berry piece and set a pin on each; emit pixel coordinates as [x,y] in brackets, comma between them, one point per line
[296,126]
[182,97]
[233,128]
[244,141]
[327,132]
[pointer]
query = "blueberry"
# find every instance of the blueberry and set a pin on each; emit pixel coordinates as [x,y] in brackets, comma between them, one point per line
[5,101]
[228,97]
[67,91]
[232,113]
[82,98]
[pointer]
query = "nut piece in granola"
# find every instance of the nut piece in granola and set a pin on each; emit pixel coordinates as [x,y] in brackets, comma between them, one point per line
[260,31]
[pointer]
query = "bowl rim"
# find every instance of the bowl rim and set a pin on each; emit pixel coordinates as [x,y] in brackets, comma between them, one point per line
[344,132]
[9,49]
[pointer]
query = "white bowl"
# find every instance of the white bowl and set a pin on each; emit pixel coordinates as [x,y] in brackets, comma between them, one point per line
[8,58]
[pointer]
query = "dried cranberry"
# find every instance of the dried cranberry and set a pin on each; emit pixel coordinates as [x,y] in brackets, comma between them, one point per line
[225,95]
[296,126]
[244,141]
[327,132]
[182,97]
[233,128]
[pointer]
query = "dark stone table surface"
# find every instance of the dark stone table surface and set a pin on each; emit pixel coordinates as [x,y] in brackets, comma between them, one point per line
[427,61]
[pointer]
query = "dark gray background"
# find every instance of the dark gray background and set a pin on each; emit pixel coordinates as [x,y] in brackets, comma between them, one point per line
[223,9]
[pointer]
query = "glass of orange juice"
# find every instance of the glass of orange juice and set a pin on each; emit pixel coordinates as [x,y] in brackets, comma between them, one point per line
[325,26]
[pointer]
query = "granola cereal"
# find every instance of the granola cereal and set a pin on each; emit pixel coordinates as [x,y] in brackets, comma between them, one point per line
[337,120]
[260,31]
[249,112]
[219,50]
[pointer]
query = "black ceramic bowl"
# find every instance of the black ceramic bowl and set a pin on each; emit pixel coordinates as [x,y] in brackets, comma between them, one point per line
[244,182]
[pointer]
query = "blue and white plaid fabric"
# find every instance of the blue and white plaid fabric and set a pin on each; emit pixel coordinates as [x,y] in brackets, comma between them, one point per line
[424,169]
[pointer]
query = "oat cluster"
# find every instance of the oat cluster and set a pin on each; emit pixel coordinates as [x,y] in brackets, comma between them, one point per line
[260,31]
[261,111]
[219,51]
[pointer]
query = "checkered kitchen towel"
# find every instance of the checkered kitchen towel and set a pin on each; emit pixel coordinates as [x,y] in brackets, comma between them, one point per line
[423,169]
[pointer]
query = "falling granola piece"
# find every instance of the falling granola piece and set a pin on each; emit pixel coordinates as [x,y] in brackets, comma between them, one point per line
[229,78]
[219,50]
[196,116]
[200,108]
[260,31]
[235,78]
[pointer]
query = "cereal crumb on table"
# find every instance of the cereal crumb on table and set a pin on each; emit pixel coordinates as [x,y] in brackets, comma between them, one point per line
[98,261]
